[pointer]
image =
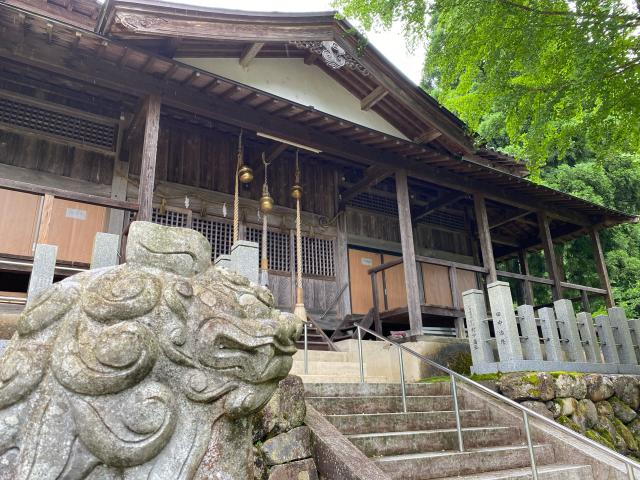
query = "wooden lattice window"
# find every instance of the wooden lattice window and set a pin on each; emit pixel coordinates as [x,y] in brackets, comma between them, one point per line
[317,257]
[218,233]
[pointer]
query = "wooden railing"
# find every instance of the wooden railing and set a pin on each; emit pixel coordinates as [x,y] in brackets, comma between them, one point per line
[528,280]
[453,269]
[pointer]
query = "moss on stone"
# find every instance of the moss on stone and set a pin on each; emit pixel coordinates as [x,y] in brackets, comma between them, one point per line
[605,434]
[483,377]
[573,375]
[626,434]
[434,379]
[532,379]
[567,422]
[598,437]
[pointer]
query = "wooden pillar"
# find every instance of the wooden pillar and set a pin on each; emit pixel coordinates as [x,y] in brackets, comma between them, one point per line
[343,308]
[484,234]
[524,270]
[119,186]
[601,266]
[550,255]
[408,254]
[46,213]
[149,152]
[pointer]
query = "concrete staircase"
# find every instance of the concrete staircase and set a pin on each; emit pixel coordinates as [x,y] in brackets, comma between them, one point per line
[422,443]
[330,367]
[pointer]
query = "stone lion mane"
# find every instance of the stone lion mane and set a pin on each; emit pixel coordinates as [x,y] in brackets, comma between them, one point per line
[145,370]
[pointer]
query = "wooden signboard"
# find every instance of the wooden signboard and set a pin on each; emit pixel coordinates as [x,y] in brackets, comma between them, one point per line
[437,288]
[18,222]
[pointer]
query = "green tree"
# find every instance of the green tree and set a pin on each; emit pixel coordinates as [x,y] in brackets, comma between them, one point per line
[540,73]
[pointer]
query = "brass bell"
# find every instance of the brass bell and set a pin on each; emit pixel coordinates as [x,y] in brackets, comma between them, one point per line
[266,204]
[245,174]
[296,192]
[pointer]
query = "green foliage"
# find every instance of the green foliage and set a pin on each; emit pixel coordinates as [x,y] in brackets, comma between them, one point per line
[460,362]
[552,82]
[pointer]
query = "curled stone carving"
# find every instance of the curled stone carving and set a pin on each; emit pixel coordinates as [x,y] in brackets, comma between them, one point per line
[140,371]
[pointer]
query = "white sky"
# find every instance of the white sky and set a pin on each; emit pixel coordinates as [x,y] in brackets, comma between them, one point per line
[390,43]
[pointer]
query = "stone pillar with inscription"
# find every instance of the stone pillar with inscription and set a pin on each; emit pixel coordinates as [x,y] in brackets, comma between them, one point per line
[504,321]
[475,310]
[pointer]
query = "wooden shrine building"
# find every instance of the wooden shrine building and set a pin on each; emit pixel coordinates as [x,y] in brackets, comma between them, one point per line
[134,108]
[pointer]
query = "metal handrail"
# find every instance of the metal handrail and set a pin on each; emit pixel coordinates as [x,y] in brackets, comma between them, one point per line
[526,412]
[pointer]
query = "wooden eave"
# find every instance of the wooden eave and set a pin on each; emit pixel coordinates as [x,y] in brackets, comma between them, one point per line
[84,56]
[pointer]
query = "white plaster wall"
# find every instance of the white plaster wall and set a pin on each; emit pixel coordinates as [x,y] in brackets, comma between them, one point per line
[290,78]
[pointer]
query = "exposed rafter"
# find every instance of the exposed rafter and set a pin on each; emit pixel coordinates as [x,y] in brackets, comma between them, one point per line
[250,53]
[374,97]
[372,176]
[441,202]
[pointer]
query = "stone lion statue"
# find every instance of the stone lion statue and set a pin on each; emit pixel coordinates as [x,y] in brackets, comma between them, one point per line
[145,370]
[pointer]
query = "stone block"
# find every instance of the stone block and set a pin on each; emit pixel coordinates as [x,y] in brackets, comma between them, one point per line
[599,387]
[288,447]
[571,386]
[44,266]
[300,470]
[607,339]
[568,325]
[551,338]
[527,386]
[245,260]
[504,321]
[285,411]
[106,250]
[588,334]
[223,261]
[622,336]
[529,329]
[475,310]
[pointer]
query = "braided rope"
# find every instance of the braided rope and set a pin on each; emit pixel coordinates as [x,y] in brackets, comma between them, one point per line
[236,193]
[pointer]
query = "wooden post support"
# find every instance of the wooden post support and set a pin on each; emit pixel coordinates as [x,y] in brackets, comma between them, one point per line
[341,253]
[601,266]
[524,269]
[45,218]
[149,153]
[484,233]
[408,254]
[550,255]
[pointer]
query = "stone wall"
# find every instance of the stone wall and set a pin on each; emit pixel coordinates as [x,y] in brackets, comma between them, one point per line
[604,408]
[282,444]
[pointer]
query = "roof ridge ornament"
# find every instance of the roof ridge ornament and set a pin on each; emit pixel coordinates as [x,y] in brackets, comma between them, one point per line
[332,54]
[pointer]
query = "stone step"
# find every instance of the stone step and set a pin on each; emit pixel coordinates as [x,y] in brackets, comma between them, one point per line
[397,443]
[320,356]
[545,472]
[430,465]
[365,389]
[346,379]
[381,404]
[326,368]
[351,424]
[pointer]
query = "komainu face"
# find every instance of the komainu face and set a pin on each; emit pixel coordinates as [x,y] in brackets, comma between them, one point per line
[123,372]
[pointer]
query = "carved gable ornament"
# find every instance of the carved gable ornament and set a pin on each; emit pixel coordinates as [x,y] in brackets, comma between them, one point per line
[135,22]
[332,54]
[146,370]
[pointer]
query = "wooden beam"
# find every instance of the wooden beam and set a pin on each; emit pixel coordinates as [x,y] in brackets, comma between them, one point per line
[62,61]
[136,125]
[408,254]
[250,53]
[427,136]
[372,176]
[374,97]
[509,220]
[274,153]
[550,255]
[437,204]
[18,186]
[149,153]
[601,266]
[171,46]
[484,235]
[45,218]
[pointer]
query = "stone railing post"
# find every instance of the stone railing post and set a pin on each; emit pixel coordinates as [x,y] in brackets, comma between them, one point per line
[566,319]
[622,336]
[504,322]
[550,331]
[106,248]
[245,260]
[588,334]
[475,310]
[607,339]
[44,266]
[531,339]
[634,326]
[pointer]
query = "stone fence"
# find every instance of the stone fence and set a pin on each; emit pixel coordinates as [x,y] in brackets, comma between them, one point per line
[569,342]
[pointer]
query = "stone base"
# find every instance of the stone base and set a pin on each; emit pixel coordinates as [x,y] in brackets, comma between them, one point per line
[547,366]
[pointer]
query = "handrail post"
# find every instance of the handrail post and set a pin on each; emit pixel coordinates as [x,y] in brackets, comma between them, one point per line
[532,454]
[306,350]
[403,387]
[456,410]
[630,472]
[360,359]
